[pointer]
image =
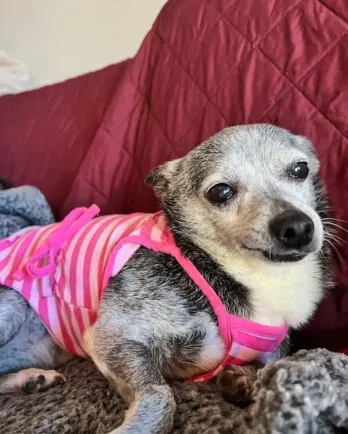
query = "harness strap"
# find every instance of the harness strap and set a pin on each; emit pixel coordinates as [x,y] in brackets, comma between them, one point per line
[71,224]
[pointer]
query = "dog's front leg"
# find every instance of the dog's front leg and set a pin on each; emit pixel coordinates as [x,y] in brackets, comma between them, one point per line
[130,367]
[236,383]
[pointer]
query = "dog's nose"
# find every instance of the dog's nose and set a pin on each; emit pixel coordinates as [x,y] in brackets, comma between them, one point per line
[293,229]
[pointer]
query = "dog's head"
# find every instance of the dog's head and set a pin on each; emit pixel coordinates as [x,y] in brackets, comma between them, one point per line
[250,188]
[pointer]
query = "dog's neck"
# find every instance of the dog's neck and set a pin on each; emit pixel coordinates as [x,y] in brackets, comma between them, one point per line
[257,289]
[237,300]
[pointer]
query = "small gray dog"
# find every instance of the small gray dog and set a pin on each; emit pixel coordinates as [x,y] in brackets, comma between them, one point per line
[246,207]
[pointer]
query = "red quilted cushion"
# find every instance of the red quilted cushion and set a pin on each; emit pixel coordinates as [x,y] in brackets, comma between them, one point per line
[45,134]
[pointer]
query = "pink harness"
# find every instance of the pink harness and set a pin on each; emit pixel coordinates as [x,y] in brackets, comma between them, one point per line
[63,269]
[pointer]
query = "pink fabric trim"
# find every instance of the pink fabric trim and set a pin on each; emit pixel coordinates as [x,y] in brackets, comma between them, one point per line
[69,226]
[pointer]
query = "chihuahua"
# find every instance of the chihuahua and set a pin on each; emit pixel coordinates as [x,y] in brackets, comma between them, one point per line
[208,287]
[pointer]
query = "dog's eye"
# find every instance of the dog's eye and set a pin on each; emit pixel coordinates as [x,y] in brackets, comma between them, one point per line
[220,193]
[299,170]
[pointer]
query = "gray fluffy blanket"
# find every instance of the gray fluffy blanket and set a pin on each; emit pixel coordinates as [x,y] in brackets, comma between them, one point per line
[22,207]
[305,393]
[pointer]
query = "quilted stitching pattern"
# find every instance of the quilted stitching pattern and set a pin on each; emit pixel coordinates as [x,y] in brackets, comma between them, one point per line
[203,66]
[45,134]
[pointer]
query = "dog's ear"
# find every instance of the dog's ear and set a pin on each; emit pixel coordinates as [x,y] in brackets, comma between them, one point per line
[161,178]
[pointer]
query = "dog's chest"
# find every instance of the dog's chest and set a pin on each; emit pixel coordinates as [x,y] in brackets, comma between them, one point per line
[282,293]
[213,348]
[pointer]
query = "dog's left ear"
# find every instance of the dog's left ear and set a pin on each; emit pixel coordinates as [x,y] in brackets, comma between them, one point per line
[161,178]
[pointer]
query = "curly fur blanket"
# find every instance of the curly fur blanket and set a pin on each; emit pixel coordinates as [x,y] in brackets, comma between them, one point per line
[22,207]
[305,393]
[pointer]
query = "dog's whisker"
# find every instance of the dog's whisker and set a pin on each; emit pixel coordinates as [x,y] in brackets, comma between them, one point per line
[337,226]
[333,240]
[334,219]
[333,246]
[340,241]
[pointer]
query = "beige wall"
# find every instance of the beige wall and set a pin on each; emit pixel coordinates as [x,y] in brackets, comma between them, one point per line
[62,38]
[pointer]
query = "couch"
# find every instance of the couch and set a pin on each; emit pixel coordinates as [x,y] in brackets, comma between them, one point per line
[204,65]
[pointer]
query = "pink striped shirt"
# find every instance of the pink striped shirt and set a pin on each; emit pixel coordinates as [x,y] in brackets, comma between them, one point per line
[62,270]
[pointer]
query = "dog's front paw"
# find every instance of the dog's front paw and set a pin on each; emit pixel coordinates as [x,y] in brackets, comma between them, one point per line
[236,384]
[38,380]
